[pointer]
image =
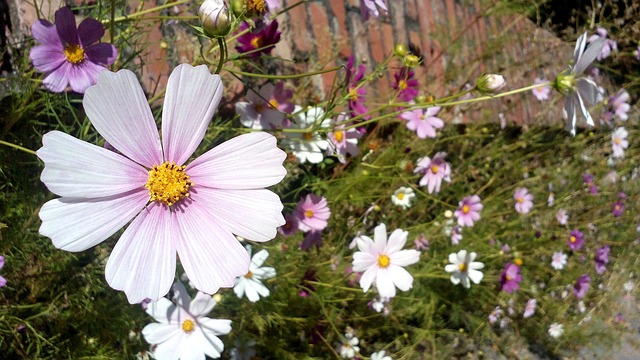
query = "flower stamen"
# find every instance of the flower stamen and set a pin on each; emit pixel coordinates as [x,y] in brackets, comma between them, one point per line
[383,261]
[188,326]
[168,183]
[74,53]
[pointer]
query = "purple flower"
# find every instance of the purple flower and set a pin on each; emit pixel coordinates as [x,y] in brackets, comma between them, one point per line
[421,242]
[617,106]
[406,85]
[581,286]
[434,170]
[524,200]
[510,278]
[423,122]
[69,55]
[468,210]
[369,8]
[589,180]
[575,240]
[541,93]
[530,308]
[290,226]
[259,41]
[602,259]
[356,94]
[456,235]
[562,217]
[618,208]
[495,315]
[311,238]
[609,45]
[312,213]
[3,281]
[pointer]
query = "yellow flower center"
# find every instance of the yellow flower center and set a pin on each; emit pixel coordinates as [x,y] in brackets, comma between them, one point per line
[508,277]
[465,209]
[308,213]
[249,275]
[402,84]
[168,183]
[462,267]
[188,326]
[256,7]
[258,108]
[572,239]
[307,136]
[520,200]
[74,53]
[617,141]
[400,196]
[353,94]
[339,135]
[383,261]
[274,103]
[256,42]
[434,169]
[518,261]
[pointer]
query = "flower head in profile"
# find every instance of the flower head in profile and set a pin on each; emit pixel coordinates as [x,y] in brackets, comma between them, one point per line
[619,142]
[434,171]
[602,259]
[556,330]
[530,308]
[311,238]
[468,210]
[575,240]
[576,86]
[215,18]
[510,278]
[617,106]
[558,260]
[307,146]
[490,83]
[355,91]
[290,226]
[423,121]
[258,41]
[193,210]
[581,286]
[524,200]
[3,281]
[369,8]
[403,197]
[542,93]
[383,261]
[463,268]
[69,55]
[406,84]
[343,142]
[250,285]
[312,213]
[182,330]
[260,111]
[379,304]
[609,45]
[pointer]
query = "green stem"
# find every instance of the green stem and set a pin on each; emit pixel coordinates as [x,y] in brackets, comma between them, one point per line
[113,23]
[143,12]
[296,76]
[223,55]
[18,147]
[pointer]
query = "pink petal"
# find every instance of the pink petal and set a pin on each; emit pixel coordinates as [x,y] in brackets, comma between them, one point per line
[46,34]
[252,214]
[143,262]
[405,257]
[75,168]
[363,261]
[78,224]
[81,76]
[58,79]
[192,97]
[118,109]
[211,256]
[396,241]
[46,58]
[249,161]
[380,238]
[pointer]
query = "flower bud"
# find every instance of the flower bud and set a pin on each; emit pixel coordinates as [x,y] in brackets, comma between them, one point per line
[564,83]
[400,50]
[215,18]
[490,83]
[411,60]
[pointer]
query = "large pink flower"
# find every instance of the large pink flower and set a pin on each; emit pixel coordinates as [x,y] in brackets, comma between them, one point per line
[192,210]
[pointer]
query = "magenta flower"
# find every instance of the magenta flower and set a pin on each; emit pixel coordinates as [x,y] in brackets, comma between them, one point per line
[581,286]
[524,200]
[575,240]
[468,210]
[193,210]
[311,238]
[259,41]
[69,55]
[618,209]
[541,93]
[3,281]
[590,182]
[510,278]
[602,259]
[356,94]
[312,213]
[434,170]
[290,226]
[617,106]
[423,122]
[405,84]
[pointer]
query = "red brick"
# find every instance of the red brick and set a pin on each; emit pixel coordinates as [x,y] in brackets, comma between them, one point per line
[375,42]
[342,41]
[298,30]
[323,42]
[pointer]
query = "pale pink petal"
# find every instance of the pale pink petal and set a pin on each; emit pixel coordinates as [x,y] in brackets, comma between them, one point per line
[46,58]
[45,33]
[364,243]
[118,109]
[252,214]
[249,161]
[380,238]
[75,168]
[201,305]
[384,283]
[77,224]
[396,241]
[367,278]
[57,80]
[401,277]
[405,257]
[211,256]
[155,333]
[143,262]
[191,99]
[81,76]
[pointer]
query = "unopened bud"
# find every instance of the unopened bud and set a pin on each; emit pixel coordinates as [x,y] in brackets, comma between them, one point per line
[490,83]
[400,50]
[411,60]
[564,83]
[215,18]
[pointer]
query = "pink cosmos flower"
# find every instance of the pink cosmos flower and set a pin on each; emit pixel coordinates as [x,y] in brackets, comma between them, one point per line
[312,213]
[311,238]
[193,210]
[524,200]
[617,106]
[510,278]
[356,93]
[343,142]
[423,122]
[384,262]
[530,308]
[575,240]
[290,226]
[602,259]
[541,93]
[69,55]
[619,142]
[3,281]
[618,208]
[562,216]
[260,40]
[260,111]
[405,84]
[435,170]
[581,286]
[468,210]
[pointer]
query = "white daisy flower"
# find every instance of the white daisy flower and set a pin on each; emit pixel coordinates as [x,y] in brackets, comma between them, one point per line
[463,268]
[251,283]
[380,355]
[403,197]
[307,146]
[555,330]
[558,260]
[349,346]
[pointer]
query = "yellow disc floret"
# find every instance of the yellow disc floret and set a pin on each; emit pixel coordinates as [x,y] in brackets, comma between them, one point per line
[248,275]
[74,53]
[462,267]
[168,183]
[434,169]
[308,214]
[339,135]
[188,326]
[465,209]
[383,261]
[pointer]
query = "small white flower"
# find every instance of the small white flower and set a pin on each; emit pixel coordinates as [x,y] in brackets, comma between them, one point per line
[349,347]
[182,331]
[558,260]
[628,286]
[380,355]
[464,268]
[555,330]
[251,284]
[307,146]
[403,197]
[619,142]
[581,307]
[562,217]
[257,112]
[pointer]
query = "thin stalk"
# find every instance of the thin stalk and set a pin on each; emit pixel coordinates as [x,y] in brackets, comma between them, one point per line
[18,147]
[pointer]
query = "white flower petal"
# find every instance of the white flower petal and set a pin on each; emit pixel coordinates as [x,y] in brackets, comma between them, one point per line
[367,278]
[380,238]
[475,276]
[259,258]
[75,168]
[585,111]
[363,261]
[251,214]
[143,262]
[240,286]
[216,326]
[192,97]
[264,273]
[161,310]
[364,243]
[118,109]
[78,224]
[589,55]
[400,277]
[405,257]
[250,291]
[211,345]
[170,349]
[211,256]
[202,304]
[249,161]
[396,241]
[384,283]
[156,333]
